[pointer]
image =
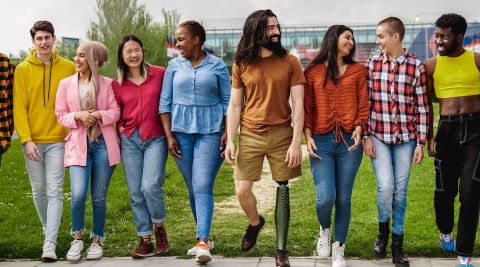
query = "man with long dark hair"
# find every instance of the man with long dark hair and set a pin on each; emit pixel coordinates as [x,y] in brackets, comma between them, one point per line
[453,76]
[264,77]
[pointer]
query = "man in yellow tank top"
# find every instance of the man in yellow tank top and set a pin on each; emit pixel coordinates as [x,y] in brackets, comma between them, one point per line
[454,77]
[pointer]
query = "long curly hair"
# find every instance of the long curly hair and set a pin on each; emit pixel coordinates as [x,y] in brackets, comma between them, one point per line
[328,53]
[255,31]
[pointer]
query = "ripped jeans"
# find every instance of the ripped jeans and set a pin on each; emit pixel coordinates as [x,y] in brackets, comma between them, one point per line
[457,158]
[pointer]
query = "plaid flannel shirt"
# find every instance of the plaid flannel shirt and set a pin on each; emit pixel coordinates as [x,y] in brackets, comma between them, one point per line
[6,101]
[398,99]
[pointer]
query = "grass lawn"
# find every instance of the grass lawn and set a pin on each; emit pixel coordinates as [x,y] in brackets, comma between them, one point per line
[22,238]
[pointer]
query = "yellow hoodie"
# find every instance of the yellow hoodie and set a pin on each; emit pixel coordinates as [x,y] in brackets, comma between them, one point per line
[35,86]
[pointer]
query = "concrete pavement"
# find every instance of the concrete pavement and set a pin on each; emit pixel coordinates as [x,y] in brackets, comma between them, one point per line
[230,262]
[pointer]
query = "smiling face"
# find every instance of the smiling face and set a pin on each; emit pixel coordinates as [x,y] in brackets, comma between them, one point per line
[80,59]
[386,40]
[447,42]
[345,43]
[187,44]
[43,41]
[273,30]
[132,54]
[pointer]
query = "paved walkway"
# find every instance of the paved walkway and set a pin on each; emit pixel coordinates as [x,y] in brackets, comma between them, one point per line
[228,262]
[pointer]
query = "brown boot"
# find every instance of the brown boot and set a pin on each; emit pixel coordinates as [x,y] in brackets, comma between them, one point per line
[161,240]
[144,249]
[281,259]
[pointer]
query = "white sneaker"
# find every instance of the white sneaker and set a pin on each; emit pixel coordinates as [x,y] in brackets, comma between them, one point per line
[193,250]
[49,251]
[203,253]
[74,253]
[323,243]
[94,252]
[338,259]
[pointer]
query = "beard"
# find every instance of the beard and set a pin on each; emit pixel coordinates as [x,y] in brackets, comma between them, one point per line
[450,49]
[271,45]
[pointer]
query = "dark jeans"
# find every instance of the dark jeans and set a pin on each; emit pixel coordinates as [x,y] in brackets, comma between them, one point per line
[458,148]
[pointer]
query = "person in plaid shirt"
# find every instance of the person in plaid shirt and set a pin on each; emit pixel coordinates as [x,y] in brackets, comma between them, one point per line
[6,104]
[396,130]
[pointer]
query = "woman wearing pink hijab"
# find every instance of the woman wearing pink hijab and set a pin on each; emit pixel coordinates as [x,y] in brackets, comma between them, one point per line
[85,104]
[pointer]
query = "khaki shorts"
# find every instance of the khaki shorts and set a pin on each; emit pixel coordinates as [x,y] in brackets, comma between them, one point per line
[252,149]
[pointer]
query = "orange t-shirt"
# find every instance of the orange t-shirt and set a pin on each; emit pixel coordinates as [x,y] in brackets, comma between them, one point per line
[344,105]
[266,83]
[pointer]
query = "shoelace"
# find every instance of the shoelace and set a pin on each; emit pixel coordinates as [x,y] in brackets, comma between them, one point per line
[202,245]
[95,247]
[76,244]
[251,230]
[49,247]
[463,260]
[324,240]
[163,234]
[283,256]
[446,237]
[338,253]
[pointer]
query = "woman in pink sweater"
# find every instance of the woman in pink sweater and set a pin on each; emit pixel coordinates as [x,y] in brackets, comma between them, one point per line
[85,104]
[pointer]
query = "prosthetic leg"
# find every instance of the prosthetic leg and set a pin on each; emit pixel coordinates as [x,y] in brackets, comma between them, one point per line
[282,220]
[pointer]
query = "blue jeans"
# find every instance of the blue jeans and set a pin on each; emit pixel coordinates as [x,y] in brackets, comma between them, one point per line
[100,172]
[334,175]
[144,166]
[392,169]
[199,166]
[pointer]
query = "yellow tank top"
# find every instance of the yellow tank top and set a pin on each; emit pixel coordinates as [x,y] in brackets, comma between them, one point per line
[456,76]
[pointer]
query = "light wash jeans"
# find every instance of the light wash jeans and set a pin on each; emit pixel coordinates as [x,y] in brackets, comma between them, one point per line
[144,165]
[199,166]
[100,172]
[334,175]
[46,177]
[392,169]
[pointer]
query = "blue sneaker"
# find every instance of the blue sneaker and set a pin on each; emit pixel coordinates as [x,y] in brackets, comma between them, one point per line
[448,242]
[464,262]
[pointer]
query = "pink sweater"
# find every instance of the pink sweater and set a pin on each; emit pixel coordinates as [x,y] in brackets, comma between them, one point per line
[68,103]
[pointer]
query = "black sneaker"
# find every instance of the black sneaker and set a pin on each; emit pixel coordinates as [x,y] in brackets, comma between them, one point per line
[250,238]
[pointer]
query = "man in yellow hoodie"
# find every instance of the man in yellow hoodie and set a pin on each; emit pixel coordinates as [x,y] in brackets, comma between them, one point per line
[36,82]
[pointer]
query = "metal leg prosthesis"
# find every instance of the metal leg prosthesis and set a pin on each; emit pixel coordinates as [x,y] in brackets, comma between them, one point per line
[282,220]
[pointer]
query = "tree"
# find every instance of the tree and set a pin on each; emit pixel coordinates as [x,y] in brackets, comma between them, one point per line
[117,18]
[171,18]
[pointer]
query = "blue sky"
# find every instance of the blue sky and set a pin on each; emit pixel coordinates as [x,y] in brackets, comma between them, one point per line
[71,18]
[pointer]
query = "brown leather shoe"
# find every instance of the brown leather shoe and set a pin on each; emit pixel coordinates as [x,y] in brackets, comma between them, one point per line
[250,238]
[281,259]
[161,240]
[144,249]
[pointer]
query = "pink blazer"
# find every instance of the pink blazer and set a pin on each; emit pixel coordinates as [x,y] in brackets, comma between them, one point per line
[68,102]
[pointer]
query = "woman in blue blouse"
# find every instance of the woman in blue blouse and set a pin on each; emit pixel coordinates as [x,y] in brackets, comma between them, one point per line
[193,106]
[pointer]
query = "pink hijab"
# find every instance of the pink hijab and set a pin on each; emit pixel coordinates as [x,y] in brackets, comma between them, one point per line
[97,54]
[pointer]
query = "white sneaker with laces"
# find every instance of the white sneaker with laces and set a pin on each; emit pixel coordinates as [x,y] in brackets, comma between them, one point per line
[323,243]
[464,261]
[94,252]
[193,251]
[74,253]
[203,253]
[49,251]
[338,259]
